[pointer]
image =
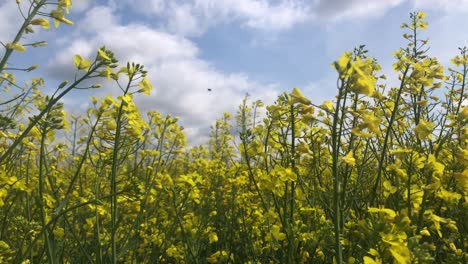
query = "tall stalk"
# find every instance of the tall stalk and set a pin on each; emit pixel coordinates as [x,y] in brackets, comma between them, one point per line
[37,5]
[48,244]
[383,152]
[53,101]
[113,175]
[336,175]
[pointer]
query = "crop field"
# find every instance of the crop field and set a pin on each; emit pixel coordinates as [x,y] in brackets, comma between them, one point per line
[377,175]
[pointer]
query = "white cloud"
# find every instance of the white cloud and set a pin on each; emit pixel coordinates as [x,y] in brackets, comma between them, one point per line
[193,17]
[345,9]
[98,19]
[148,7]
[179,77]
[182,21]
[134,42]
[449,6]
[10,20]
[80,5]
[257,14]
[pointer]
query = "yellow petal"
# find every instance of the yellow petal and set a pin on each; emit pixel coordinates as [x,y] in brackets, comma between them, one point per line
[77,60]
[425,232]
[298,97]
[80,63]
[420,15]
[58,17]
[66,4]
[463,114]
[328,106]
[213,237]
[401,254]
[369,260]
[424,129]
[102,54]
[16,46]
[349,159]
[342,64]
[41,22]
[145,86]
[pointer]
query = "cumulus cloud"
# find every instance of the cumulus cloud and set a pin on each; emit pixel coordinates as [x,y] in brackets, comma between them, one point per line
[180,78]
[193,17]
[452,6]
[264,15]
[97,19]
[341,9]
[160,37]
[10,20]
[81,5]
[183,21]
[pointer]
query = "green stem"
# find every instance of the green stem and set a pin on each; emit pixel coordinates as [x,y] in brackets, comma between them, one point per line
[113,176]
[38,117]
[49,249]
[383,153]
[336,176]
[26,23]
[291,242]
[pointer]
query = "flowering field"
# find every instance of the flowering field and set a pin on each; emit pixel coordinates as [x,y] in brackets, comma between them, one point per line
[378,175]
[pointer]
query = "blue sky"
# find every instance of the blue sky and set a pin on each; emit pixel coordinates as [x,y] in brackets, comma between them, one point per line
[262,47]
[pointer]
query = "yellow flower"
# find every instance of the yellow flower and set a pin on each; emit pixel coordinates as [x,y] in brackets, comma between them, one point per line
[463,114]
[363,83]
[298,97]
[349,159]
[107,72]
[16,46]
[328,106]
[58,17]
[66,4]
[424,129]
[35,133]
[173,251]
[102,55]
[420,15]
[288,175]
[448,196]
[425,232]
[453,247]
[371,122]
[462,180]
[342,64]
[217,256]
[276,233]
[434,165]
[369,260]
[145,86]
[456,61]
[41,22]
[213,237]
[302,147]
[400,253]
[389,212]
[359,133]
[80,63]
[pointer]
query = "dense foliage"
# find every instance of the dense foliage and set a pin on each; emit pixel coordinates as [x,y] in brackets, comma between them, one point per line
[378,175]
